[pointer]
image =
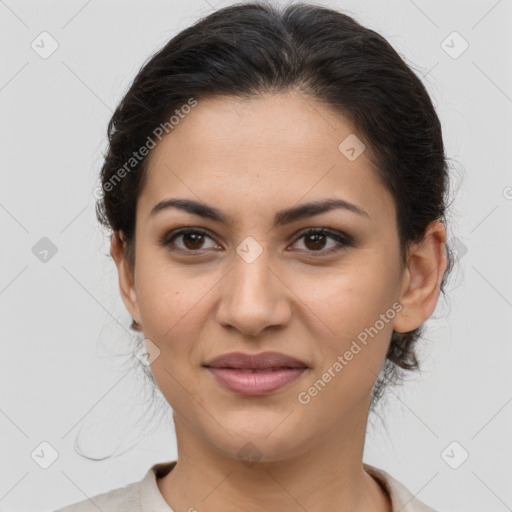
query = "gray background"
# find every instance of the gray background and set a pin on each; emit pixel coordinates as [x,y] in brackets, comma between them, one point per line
[65,365]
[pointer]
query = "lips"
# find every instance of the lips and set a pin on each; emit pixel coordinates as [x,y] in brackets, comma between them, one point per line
[261,361]
[255,374]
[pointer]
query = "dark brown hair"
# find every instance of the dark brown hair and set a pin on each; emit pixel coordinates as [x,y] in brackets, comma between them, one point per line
[249,49]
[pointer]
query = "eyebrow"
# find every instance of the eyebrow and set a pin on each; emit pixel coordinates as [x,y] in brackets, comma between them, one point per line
[282,217]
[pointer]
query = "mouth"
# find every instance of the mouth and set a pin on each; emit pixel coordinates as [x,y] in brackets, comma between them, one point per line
[255,374]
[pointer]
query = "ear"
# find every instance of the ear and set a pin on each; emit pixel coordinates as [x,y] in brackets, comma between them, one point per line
[426,264]
[126,275]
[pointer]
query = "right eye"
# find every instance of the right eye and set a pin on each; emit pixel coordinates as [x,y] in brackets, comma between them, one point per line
[192,240]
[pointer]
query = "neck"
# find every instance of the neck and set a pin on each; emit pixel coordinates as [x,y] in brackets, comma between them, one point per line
[328,475]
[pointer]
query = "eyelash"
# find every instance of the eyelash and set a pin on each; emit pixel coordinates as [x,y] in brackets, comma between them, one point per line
[342,239]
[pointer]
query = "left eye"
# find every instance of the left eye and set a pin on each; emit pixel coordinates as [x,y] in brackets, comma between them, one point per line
[315,239]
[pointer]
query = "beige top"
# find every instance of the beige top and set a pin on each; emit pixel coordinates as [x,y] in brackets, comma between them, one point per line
[144,496]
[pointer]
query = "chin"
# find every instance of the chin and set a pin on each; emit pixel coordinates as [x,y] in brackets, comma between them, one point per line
[264,441]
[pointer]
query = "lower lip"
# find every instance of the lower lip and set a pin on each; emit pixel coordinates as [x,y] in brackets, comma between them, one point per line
[255,383]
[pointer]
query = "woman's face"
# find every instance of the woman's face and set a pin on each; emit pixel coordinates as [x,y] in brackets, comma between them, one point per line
[254,283]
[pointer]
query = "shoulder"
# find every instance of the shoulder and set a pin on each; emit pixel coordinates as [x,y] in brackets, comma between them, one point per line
[141,496]
[402,499]
[124,498]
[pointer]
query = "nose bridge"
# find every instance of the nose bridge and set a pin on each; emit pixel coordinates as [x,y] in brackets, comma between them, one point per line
[252,296]
[251,273]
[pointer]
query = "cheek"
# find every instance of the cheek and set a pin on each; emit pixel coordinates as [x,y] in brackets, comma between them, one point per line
[359,315]
[171,308]
[356,309]
[168,295]
[354,297]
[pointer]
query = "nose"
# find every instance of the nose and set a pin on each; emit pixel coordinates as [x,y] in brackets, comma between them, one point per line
[254,297]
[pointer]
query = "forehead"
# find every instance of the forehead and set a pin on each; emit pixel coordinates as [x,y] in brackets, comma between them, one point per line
[284,124]
[259,152]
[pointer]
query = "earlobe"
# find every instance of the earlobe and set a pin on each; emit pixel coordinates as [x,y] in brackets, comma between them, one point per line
[426,264]
[125,274]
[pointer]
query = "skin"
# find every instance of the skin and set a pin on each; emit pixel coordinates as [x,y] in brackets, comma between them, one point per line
[251,158]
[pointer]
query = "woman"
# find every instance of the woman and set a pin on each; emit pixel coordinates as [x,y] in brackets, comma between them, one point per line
[276,185]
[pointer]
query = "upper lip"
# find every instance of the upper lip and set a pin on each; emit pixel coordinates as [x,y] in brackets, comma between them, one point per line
[263,360]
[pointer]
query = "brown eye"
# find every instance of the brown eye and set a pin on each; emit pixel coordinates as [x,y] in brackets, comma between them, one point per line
[192,240]
[316,240]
